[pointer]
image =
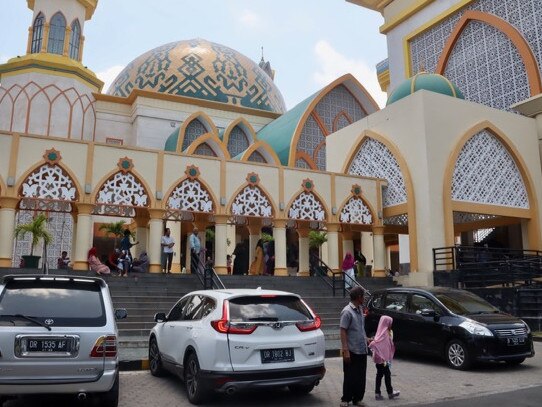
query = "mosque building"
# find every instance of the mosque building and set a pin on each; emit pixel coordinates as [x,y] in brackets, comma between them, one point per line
[193,134]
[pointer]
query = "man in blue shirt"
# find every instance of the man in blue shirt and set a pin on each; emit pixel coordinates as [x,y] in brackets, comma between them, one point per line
[195,248]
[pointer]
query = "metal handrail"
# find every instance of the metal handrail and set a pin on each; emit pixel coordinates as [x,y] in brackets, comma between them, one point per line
[207,276]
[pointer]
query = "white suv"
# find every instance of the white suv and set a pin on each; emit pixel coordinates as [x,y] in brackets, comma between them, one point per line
[229,340]
[58,335]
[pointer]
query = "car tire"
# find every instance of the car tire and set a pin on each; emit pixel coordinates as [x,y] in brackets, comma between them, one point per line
[457,355]
[515,362]
[301,389]
[155,361]
[192,379]
[110,398]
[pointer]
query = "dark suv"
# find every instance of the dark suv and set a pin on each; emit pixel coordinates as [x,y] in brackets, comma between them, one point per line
[452,323]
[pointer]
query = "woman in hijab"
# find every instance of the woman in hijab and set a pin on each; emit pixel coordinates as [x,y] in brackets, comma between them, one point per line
[95,264]
[383,350]
[348,269]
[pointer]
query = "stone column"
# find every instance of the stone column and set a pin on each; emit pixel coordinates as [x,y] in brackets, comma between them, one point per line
[379,248]
[303,252]
[221,234]
[333,246]
[83,241]
[279,236]
[8,206]
[155,235]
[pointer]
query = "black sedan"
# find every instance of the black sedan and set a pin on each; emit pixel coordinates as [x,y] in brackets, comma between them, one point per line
[455,324]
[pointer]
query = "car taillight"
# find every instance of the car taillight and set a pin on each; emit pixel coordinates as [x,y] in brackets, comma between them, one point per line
[310,325]
[105,346]
[224,326]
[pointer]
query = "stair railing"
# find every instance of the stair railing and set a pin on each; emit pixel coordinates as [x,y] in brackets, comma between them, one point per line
[207,275]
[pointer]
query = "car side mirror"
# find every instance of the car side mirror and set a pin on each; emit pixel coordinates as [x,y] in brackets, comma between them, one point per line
[428,313]
[160,317]
[121,313]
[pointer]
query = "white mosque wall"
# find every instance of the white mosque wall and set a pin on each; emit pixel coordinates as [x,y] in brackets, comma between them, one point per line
[70,9]
[5,140]
[426,128]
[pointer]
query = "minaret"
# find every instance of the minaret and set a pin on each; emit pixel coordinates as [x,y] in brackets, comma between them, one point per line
[266,66]
[51,73]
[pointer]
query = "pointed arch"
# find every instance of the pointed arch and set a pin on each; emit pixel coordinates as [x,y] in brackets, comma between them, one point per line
[75,40]
[138,194]
[213,142]
[529,60]
[364,202]
[307,159]
[205,120]
[37,33]
[57,34]
[245,126]
[321,214]
[531,213]
[264,149]
[339,119]
[259,198]
[195,187]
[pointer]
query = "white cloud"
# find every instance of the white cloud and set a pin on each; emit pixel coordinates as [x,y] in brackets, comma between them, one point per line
[333,64]
[3,59]
[250,19]
[109,75]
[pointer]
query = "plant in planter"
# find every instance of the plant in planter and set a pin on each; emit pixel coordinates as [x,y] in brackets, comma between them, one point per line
[316,240]
[114,228]
[38,228]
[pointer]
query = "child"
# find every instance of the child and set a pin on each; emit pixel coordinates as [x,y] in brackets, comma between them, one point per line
[228,263]
[383,350]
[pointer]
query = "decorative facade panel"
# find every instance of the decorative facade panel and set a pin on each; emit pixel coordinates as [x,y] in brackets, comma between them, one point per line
[251,201]
[337,101]
[463,217]
[49,182]
[307,207]
[301,163]
[486,173]
[123,189]
[310,138]
[205,149]
[374,159]
[194,129]
[355,211]
[398,220]
[190,195]
[237,142]
[256,157]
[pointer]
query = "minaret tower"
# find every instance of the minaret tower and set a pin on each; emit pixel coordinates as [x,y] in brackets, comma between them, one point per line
[51,75]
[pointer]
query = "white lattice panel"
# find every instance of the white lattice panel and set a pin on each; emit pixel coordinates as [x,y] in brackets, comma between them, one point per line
[190,195]
[123,189]
[398,220]
[49,182]
[307,207]
[462,217]
[374,159]
[251,201]
[486,173]
[355,211]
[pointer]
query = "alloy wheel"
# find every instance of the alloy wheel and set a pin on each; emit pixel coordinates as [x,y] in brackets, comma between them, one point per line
[456,354]
[192,377]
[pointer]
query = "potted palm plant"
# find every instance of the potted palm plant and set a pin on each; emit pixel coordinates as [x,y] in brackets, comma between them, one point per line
[114,228]
[38,228]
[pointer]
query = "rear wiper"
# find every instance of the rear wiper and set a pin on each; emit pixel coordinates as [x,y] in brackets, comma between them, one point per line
[265,319]
[35,321]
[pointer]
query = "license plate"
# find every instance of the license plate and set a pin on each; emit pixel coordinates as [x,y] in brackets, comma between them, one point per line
[277,355]
[514,341]
[48,345]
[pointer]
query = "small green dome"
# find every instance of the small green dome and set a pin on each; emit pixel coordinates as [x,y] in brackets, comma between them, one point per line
[427,81]
[171,142]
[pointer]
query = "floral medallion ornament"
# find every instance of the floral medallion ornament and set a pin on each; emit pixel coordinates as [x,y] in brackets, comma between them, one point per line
[356,190]
[52,156]
[307,185]
[253,179]
[125,164]
[192,172]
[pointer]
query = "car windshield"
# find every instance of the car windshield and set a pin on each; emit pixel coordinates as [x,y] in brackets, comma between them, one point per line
[465,303]
[268,308]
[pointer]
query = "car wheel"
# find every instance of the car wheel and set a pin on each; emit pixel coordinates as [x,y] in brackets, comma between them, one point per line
[301,389]
[515,362]
[110,398]
[155,361]
[457,355]
[192,378]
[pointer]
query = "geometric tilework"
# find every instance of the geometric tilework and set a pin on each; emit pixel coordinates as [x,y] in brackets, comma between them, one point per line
[374,159]
[310,138]
[486,173]
[398,220]
[237,142]
[464,217]
[337,101]
[355,211]
[251,201]
[257,157]
[204,70]
[204,149]
[488,57]
[194,129]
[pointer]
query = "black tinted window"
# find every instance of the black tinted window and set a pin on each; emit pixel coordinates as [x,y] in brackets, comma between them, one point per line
[272,308]
[420,302]
[70,303]
[208,306]
[376,301]
[465,303]
[395,302]
[194,308]
[177,311]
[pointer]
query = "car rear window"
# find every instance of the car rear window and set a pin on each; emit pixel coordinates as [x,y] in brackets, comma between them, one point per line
[268,308]
[69,303]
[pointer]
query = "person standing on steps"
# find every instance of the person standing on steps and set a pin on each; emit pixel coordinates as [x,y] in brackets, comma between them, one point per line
[195,248]
[125,246]
[167,244]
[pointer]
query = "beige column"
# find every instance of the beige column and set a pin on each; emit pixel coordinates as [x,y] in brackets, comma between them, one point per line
[221,234]
[81,43]
[29,42]
[254,228]
[333,246]
[142,234]
[8,206]
[84,232]
[155,235]
[379,248]
[279,236]
[303,252]
[45,39]
[175,227]
[74,237]
[67,35]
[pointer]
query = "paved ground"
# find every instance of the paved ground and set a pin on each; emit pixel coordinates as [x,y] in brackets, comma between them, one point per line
[420,382]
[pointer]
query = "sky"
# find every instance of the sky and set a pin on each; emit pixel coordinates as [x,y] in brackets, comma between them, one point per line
[309,43]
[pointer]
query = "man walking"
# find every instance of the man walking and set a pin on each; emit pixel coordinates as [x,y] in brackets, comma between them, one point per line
[354,349]
[195,248]
[167,244]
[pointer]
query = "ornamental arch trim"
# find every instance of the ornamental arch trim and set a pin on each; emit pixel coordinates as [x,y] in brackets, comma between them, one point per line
[321,212]
[204,119]
[213,142]
[356,202]
[255,194]
[245,126]
[265,150]
[529,60]
[144,198]
[195,185]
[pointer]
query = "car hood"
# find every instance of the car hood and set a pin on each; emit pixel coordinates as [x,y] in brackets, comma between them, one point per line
[495,319]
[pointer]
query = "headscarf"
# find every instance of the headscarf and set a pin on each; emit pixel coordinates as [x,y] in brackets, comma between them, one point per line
[92,252]
[348,261]
[382,345]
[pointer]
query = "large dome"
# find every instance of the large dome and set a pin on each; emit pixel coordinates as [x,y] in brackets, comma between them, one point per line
[201,69]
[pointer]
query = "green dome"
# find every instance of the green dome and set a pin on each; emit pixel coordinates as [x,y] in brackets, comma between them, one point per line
[427,81]
[171,142]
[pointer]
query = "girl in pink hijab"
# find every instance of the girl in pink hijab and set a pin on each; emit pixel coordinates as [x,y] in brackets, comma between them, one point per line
[383,350]
[348,269]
